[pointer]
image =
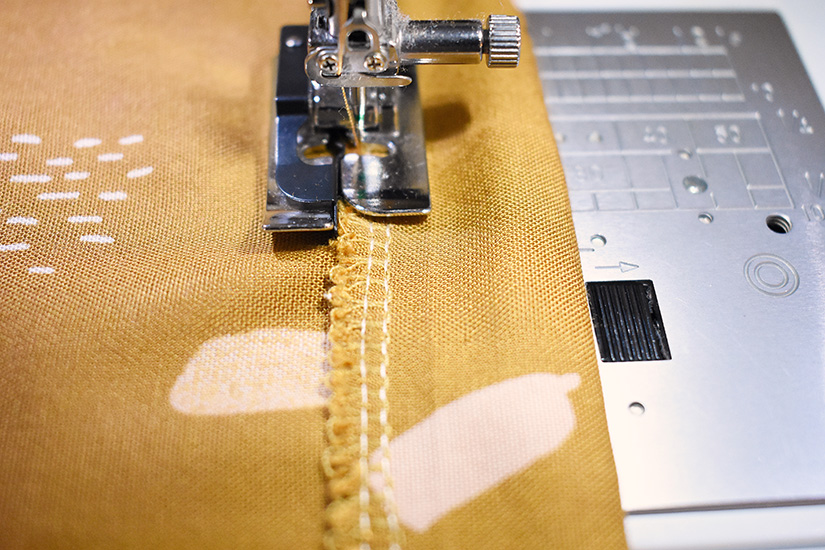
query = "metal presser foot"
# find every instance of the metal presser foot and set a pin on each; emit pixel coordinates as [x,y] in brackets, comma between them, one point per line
[347,120]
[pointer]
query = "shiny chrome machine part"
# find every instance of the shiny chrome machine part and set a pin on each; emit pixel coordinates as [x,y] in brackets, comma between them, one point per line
[347,120]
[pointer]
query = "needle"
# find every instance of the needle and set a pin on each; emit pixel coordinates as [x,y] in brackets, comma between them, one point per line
[351,117]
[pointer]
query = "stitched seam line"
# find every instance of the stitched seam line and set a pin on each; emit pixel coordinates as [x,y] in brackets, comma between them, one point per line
[364,492]
[340,459]
[390,507]
[357,519]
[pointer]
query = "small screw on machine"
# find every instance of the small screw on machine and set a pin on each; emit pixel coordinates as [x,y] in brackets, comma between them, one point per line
[375,63]
[328,63]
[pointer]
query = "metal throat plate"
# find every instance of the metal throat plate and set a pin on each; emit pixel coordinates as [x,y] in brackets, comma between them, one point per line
[694,149]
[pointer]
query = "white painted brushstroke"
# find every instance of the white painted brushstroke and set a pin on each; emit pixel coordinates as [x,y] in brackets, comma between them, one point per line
[87,142]
[13,247]
[58,196]
[20,220]
[77,175]
[41,270]
[474,443]
[30,139]
[271,369]
[112,196]
[8,157]
[139,172]
[31,178]
[59,161]
[110,157]
[85,219]
[129,140]
[100,239]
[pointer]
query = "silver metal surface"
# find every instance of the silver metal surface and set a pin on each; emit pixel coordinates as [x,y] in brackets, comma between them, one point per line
[312,164]
[768,528]
[360,76]
[463,41]
[393,182]
[687,139]
[349,37]
[504,41]
[284,211]
[460,41]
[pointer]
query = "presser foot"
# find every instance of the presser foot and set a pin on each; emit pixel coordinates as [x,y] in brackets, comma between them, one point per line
[376,162]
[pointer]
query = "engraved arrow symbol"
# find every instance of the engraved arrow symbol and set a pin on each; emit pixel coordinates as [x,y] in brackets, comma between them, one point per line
[624,267]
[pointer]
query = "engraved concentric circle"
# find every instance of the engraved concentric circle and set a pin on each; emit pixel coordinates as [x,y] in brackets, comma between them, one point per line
[772,275]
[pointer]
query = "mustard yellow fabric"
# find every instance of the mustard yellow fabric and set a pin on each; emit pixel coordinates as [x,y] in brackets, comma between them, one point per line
[161,355]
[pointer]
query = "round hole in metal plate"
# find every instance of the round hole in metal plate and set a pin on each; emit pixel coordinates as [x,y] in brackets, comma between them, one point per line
[695,184]
[598,241]
[706,217]
[636,408]
[779,223]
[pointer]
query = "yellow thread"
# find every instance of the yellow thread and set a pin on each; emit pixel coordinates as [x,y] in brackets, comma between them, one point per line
[356,139]
[356,519]
[340,459]
[390,510]
[364,492]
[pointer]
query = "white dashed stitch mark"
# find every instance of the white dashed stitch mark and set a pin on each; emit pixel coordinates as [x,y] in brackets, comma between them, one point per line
[60,161]
[77,175]
[58,196]
[30,139]
[20,220]
[129,140]
[87,142]
[110,157]
[14,247]
[139,172]
[112,196]
[31,178]
[100,239]
[66,161]
[85,219]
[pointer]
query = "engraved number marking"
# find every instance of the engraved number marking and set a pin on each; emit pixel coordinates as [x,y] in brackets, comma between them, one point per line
[814,212]
[817,184]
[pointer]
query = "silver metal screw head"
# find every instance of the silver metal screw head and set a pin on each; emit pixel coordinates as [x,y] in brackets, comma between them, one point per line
[375,62]
[504,41]
[328,63]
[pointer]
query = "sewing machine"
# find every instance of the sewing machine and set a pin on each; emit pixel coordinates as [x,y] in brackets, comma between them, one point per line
[693,145]
[347,118]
